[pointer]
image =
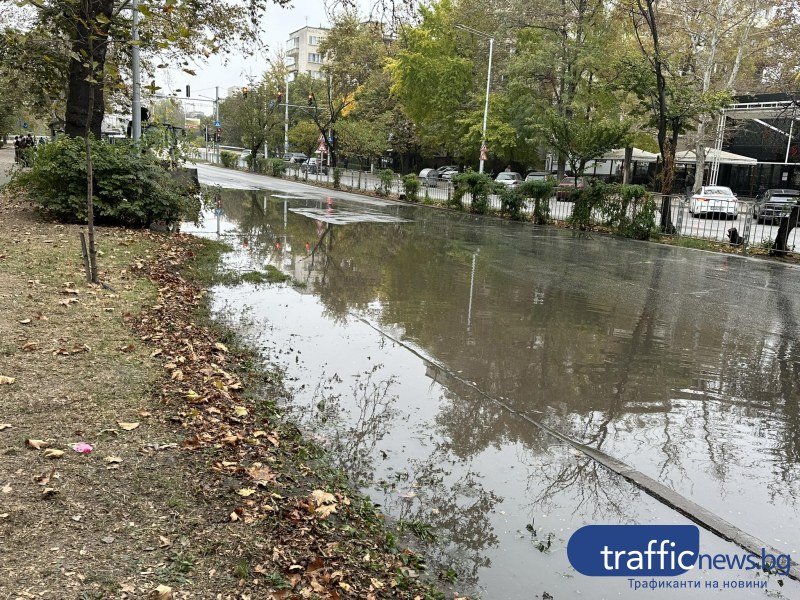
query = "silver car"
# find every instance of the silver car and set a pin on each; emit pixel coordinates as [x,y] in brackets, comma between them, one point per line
[509,178]
[773,205]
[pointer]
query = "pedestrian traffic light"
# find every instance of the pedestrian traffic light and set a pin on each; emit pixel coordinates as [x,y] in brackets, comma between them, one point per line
[244,92]
[311,100]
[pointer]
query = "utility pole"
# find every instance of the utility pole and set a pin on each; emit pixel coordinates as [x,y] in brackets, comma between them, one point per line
[136,100]
[286,120]
[216,120]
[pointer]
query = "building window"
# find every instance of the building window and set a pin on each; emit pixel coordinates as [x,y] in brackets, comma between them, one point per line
[315,40]
[293,44]
[314,57]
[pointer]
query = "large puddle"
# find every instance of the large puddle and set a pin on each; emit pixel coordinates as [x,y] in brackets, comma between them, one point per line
[424,347]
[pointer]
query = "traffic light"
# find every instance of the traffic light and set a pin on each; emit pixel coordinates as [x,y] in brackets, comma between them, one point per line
[188,90]
[311,100]
[244,92]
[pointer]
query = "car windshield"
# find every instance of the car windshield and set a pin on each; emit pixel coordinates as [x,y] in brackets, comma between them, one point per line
[506,176]
[783,198]
[718,191]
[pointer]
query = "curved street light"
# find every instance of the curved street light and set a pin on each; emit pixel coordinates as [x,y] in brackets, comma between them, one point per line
[488,84]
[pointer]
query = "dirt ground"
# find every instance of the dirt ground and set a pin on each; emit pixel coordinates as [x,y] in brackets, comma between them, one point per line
[193,486]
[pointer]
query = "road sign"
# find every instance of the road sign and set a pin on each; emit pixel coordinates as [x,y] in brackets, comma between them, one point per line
[217,124]
[484,151]
[24,125]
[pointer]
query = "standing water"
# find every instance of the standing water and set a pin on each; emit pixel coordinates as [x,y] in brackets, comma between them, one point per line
[477,378]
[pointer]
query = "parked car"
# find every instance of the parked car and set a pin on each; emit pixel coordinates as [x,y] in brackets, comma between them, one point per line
[295,157]
[567,185]
[428,178]
[714,199]
[772,205]
[537,176]
[447,173]
[312,165]
[509,178]
[442,170]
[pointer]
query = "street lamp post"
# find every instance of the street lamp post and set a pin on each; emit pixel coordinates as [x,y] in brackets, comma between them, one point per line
[488,85]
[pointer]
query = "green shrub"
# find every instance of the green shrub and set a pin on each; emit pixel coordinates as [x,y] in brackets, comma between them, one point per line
[337,178]
[276,167]
[229,159]
[130,186]
[385,178]
[540,192]
[479,185]
[411,187]
[512,201]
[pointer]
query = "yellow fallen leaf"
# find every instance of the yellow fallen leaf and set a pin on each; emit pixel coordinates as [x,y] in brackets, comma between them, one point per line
[246,492]
[345,586]
[7,380]
[35,444]
[220,346]
[321,497]
[53,453]
[164,592]
[376,584]
[325,510]
[127,426]
[240,411]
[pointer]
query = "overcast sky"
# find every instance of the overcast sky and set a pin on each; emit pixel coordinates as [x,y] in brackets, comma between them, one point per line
[235,70]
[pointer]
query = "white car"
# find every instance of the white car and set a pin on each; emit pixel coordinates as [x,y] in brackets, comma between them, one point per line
[714,200]
[509,178]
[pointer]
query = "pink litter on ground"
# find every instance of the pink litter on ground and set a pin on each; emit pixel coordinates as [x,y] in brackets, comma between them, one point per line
[83,448]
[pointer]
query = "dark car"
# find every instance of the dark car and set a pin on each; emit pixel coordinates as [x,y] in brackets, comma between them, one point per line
[567,185]
[314,165]
[773,205]
[295,157]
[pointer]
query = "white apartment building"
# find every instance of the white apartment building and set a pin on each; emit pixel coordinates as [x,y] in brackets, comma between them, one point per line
[302,52]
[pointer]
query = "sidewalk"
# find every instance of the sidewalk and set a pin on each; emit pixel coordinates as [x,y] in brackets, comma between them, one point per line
[6,162]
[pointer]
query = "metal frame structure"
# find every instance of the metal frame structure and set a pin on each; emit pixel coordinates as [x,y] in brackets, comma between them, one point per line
[755,111]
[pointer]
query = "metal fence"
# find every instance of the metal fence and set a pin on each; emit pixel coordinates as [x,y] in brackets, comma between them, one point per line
[713,227]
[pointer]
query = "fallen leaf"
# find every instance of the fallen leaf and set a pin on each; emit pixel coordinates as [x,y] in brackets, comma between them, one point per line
[233,517]
[53,453]
[220,346]
[47,492]
[128,348]
[113,460]
[345,586]
[25,321]
[376,584]
[70,291]
[35,444]
[246,492]
[7,380]
[6,489]
[262,475]
[29,346]
[127,426]
[108,539]
[164,592]
[240,411]
[5,426]
[164,542]
[321,497]
[325,510]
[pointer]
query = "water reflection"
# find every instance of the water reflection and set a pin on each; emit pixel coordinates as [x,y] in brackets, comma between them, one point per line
[683,365]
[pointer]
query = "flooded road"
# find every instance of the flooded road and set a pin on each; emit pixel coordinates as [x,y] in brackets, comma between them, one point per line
[432,352]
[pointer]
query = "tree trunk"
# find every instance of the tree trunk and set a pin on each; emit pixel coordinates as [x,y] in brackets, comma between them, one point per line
[627,164]
[779,248]
[89,45]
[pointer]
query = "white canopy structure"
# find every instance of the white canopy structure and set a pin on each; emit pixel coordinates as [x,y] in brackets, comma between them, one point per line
[639,155]
[714,156]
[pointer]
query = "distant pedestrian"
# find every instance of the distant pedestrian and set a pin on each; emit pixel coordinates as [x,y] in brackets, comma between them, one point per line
[17,148]
[689,183]
[345,160]
[508,169]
